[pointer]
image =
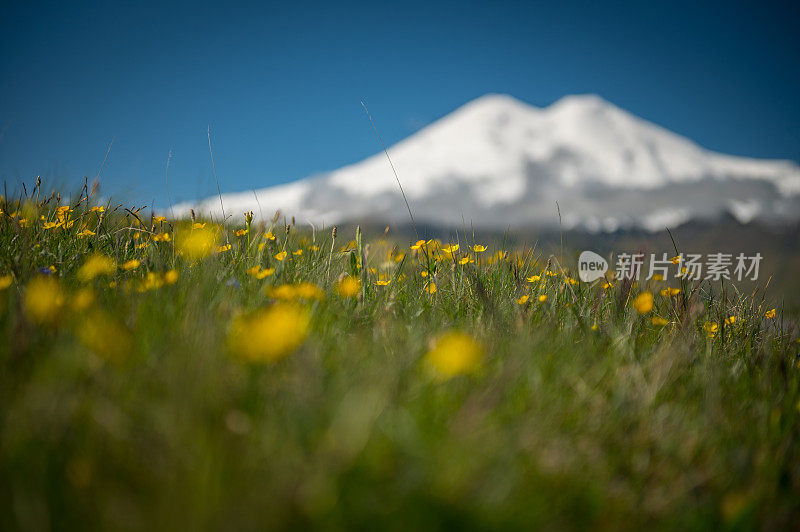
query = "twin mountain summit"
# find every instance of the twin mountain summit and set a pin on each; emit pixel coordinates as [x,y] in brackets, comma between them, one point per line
[498,162]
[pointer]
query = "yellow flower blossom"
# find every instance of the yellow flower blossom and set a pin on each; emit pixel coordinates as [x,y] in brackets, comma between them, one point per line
[542,298]
[97,208]
[454,353]
[5,281]
[269,236]
[348,286]
[198,225]
[431,288]
[259,273]
[241,232]
[162,237]
[534,278]
[643,303]
[418,245]
[95,266]
[711,328]
[659,321]
[676,259]
[44,300]
[607,286]
[466,260]
[196,244]
[523,299]
[730,320]
[769,314]
[280,256]
[297,253]
[477,248]
[450,249]
[171,276]
[51,225]
[223,248]
[269,334]
[658,277]
[131,264]
[159,219]
[382,282]
[86,232]
[670,292]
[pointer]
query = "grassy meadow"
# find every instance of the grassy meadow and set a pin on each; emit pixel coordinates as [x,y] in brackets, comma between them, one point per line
[186,374]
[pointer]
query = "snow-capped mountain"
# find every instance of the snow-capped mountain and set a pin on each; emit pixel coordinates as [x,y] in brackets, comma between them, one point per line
[498,162]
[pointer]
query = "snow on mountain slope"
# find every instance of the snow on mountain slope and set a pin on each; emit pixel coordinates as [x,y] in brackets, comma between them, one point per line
[497,162]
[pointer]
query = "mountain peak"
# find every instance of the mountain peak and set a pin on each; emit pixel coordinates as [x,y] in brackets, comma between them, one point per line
[498,161]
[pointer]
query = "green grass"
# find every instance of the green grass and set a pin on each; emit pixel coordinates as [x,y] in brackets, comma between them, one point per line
[131,410]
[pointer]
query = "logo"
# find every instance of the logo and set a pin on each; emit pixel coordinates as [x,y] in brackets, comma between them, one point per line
[591,266]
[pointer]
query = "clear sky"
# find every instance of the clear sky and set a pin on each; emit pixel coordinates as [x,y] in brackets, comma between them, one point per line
[280,84]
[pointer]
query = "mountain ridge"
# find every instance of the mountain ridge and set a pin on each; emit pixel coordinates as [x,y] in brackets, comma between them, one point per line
[497,161]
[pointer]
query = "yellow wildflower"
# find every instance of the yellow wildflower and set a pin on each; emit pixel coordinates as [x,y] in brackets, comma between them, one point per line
[658,277]
[431,288]
[542,298]
[270,334]
[769,314]
[131,264]
[450,249]
[95,266]
[196,244]
[670,292]
[269,236]
[223,248]
[162,237]
[418,245]
[607,286]
[348,286]
[534,278]
[97,208]
[676,259]
[51,225]
[171,276]
[280,256]
[659,321]
[711,328]
[5,281]
[730,320]
[454,353]
[523,299]
[297,253]
[159,219]
[241,232]
[382,282]
[477,248]
[44,300]
[198,225]
[643,303]
[466,260]
[86,232]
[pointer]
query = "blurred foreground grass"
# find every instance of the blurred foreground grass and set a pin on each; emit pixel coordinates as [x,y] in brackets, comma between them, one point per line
[180,375]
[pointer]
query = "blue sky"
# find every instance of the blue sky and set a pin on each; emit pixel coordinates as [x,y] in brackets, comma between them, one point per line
[280,84]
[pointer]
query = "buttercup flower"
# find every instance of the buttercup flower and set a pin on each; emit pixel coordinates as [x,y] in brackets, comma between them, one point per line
[454,353]
[643,303]
[270,334]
